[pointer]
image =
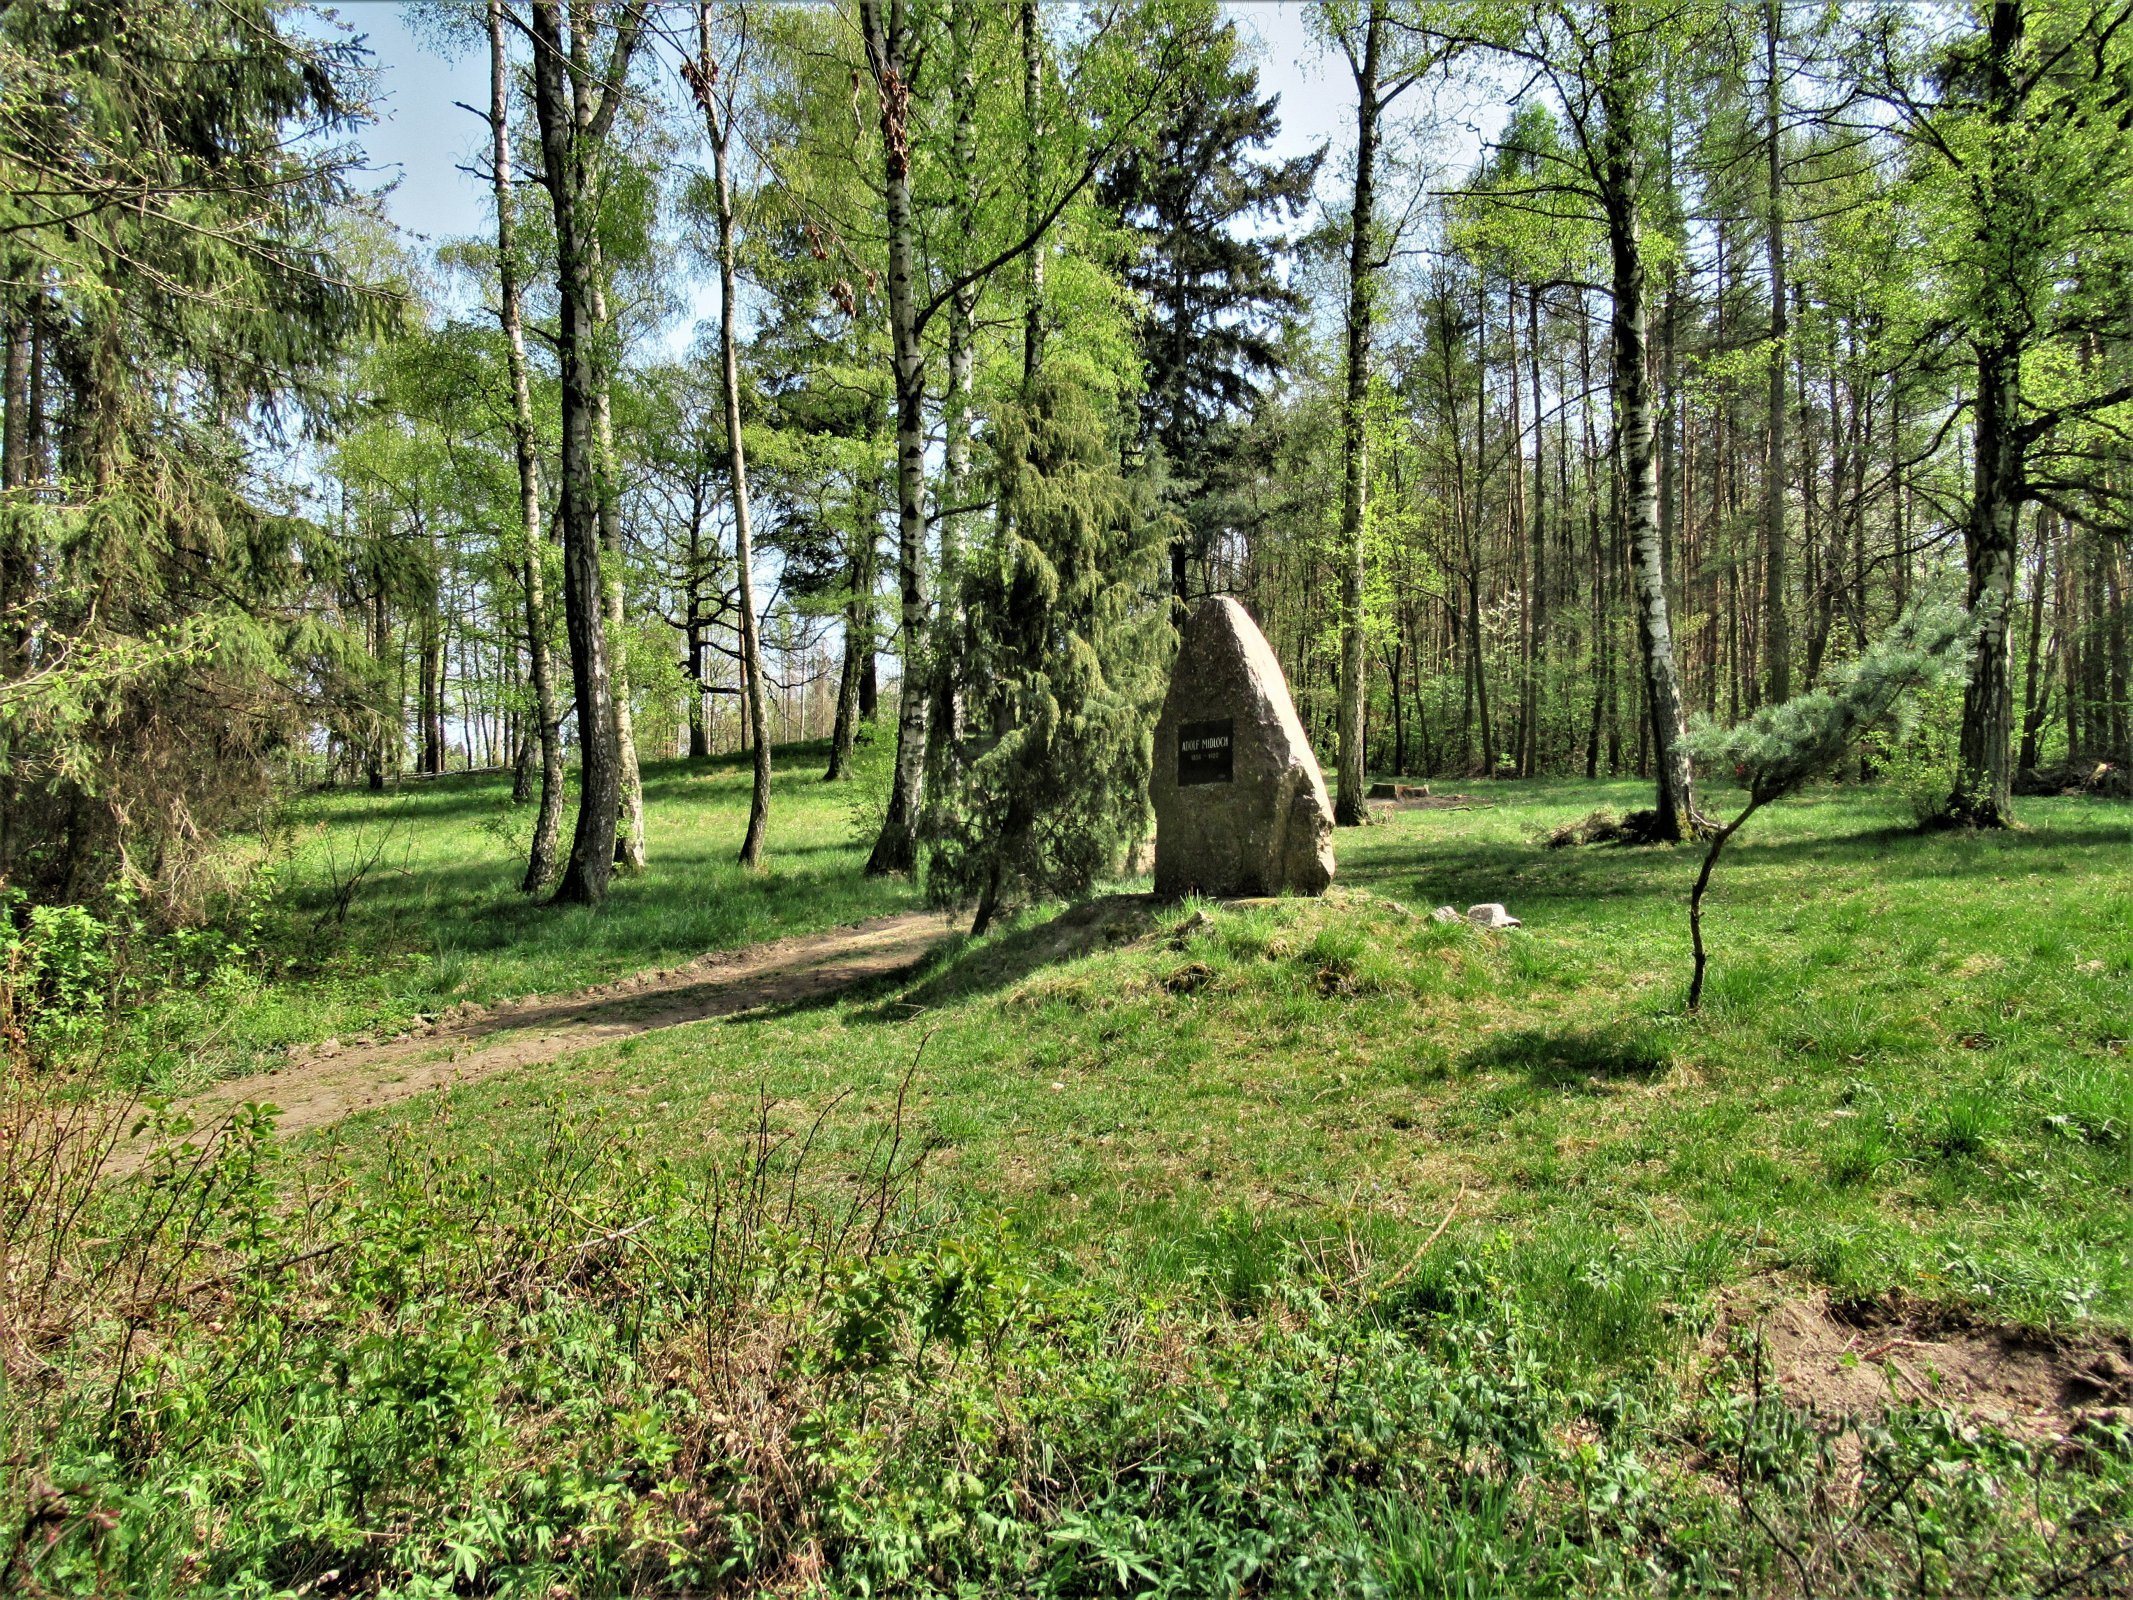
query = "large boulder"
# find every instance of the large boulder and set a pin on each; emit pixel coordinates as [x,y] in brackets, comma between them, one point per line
[1240,805]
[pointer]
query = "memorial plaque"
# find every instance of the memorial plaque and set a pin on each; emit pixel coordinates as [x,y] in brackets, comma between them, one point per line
[1243,810]
[1205,751]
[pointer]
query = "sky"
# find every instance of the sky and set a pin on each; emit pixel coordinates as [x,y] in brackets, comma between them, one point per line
[423,140]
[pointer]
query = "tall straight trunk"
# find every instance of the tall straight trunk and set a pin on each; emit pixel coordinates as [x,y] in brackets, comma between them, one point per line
[388,726]
[844,729]
[855,682]
[1033,181]
[1515,517]
[629,821]
[947,677]
[721,131]
[1777,627]
[1537,553]
[1984,780]
[1640,488]
[2066,629]
[1399,704]
[1984,788]
[548,820]
[1602,639]
[1476,527]
[887,38]
[699,725]
[15,437]
[2095,660]
[2036,689]
[1480,668]
[1349,807]
[2121,658]
[430,707]
[573,121]
[14,565]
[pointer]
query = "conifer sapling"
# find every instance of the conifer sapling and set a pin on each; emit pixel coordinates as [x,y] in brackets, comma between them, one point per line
[1782,747]
[1064,647]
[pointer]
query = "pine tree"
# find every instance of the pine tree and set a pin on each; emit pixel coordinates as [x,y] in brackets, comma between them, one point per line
[1064,649]
[1783,747]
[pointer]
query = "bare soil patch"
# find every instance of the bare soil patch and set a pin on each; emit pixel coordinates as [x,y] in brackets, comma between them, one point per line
[1862,1360]
[326,1082]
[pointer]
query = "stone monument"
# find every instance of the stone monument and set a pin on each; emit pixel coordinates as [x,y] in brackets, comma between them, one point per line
[1240,805]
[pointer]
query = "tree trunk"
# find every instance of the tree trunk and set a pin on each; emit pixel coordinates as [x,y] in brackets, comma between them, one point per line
[699,729]
[1984,789]
[1033,181]
[1537,558]
[629,823]
[896,850]
[2036,688]
[858,637]
[567,133]
[430,677]
[941,728]
[15,438]
[2121,659]
[1602,664]
[1349,808]
[548,821]
[1640,489]
[736,453]
[1777,627]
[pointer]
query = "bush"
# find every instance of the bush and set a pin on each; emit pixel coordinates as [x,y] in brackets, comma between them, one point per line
[58,966]
[1918,762]
[68,972]
[873,774]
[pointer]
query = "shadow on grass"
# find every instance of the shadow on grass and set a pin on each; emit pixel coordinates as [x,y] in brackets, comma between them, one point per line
[973,968]
[1456,869]
[1574,1058]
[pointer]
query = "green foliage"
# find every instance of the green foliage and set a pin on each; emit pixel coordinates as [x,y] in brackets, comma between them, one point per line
[873,771]
[1781,747]
[1136,1333]
[182,249]
[1214,304]
[58,966]
[1918,760]
[1062,653]
[69,973]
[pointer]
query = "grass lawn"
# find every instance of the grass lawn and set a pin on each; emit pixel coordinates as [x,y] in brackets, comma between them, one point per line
[1910,1071]
[1297,1247]
[429,873]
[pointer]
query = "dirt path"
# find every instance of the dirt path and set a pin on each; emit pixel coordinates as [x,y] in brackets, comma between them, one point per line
[326,1082]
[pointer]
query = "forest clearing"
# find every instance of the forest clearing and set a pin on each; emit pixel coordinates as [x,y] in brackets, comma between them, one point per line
[909,798]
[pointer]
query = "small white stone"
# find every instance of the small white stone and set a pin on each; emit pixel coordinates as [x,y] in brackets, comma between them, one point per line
[1445,914]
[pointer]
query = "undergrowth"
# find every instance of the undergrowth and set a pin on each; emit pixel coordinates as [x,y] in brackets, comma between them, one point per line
[594,1370]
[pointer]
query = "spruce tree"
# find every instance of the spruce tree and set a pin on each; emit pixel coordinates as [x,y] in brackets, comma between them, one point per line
[1216,305]
[1065,647]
